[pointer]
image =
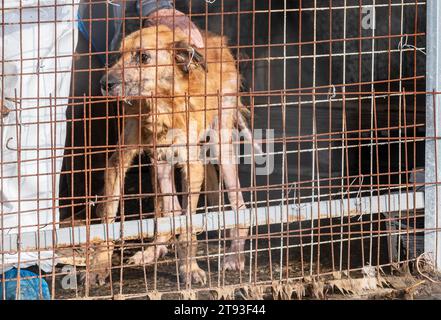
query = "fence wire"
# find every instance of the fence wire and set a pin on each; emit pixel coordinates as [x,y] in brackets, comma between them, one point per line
[118,181]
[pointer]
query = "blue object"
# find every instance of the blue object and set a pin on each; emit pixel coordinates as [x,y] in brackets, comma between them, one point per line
[30,288]
[147,7]
[84,31]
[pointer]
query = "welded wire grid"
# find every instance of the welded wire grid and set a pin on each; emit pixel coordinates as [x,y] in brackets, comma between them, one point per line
[336,86]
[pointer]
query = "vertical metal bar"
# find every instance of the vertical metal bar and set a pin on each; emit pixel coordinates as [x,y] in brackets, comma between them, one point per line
[432,240]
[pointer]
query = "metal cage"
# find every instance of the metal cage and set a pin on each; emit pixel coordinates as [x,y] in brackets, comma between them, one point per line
[341,95]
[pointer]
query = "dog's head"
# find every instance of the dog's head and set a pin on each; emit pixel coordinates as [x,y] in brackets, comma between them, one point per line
[153,61]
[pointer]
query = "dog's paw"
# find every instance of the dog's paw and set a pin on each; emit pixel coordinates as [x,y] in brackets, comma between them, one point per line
[194,275]
[98,274]
[234,262]
[96,278]
[148,255]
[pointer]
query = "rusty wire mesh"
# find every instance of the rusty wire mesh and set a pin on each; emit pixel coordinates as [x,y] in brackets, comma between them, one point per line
[337,87]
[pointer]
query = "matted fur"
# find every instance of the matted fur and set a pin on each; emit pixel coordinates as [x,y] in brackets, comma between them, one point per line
[169,86]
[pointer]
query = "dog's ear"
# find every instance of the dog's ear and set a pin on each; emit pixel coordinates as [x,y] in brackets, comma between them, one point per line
[187,57]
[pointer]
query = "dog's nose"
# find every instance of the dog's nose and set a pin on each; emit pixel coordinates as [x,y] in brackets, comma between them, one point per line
[108,82]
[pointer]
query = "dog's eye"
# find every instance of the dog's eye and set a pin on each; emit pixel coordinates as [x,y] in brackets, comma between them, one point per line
[145,57]
[142,58]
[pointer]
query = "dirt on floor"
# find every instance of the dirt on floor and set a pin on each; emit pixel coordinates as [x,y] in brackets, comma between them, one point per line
[270,273]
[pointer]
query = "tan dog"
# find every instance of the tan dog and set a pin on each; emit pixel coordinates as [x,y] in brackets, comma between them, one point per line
[174,94]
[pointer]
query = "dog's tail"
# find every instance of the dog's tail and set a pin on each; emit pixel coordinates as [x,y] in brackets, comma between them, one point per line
[242,125]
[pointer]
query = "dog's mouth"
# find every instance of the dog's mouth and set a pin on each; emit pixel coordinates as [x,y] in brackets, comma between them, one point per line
[127,99]
[124,92]
[115,91]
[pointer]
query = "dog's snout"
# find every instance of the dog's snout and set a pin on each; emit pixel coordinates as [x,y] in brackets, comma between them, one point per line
[108,82]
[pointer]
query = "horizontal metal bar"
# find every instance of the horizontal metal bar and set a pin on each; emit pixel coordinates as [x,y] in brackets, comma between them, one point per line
[213,221]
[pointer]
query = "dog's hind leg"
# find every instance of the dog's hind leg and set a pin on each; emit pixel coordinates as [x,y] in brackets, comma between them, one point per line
[235,260]
[192,179]
[169,205]
[230,176]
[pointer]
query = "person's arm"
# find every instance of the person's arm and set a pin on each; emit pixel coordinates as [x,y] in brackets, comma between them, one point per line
[162,12]
[147,7]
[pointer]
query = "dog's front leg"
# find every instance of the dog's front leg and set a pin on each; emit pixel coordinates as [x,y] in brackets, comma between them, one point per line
[119,163]
[115,173]
[192,179]
[170,206]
